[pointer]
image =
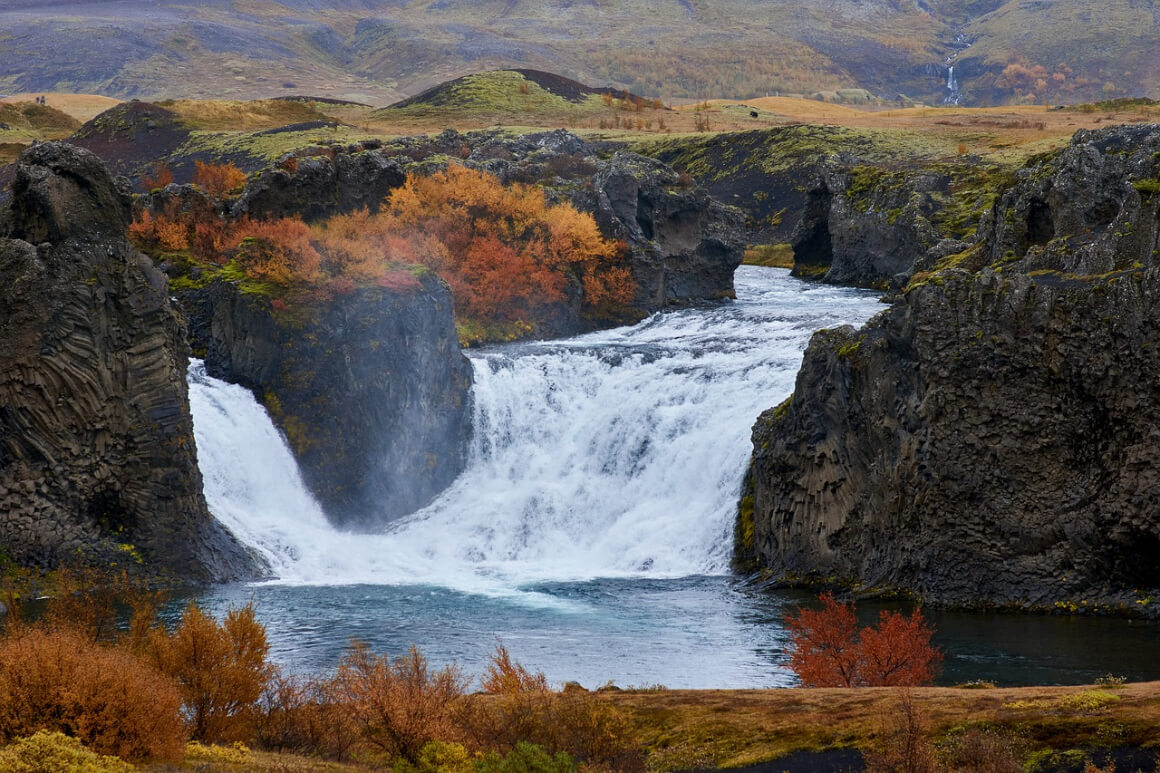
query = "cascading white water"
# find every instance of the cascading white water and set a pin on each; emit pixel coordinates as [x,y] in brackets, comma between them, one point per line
[618,453]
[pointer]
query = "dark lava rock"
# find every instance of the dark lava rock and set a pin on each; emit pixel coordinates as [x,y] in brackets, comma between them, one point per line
[320,186]
[370,389]
[684,245]
[994,436]
[131,136]
[97,452]
[866,232]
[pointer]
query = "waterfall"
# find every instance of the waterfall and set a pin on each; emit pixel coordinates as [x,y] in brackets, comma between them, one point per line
[614,454]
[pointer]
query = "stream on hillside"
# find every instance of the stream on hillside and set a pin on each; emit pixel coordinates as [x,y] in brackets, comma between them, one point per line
[590,532]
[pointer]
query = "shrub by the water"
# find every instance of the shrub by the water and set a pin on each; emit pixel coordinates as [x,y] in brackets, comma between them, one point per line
[827,649]
[220,667]
[521,707]
[400,705]
[106,697]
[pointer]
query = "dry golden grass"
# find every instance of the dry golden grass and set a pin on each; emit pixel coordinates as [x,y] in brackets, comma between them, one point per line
[80,106]
[741,727]
[229,115]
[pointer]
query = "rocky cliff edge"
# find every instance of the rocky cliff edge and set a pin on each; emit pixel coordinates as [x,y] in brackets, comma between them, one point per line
[992,438]
[97,457]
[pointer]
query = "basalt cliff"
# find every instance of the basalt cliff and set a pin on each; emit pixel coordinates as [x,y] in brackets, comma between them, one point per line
[97,457]
[991,437]
[370,389]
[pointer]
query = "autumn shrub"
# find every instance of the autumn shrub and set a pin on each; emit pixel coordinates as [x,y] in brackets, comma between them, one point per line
[95,602]
[521,707]
[55,752]
[827,648]
[218,179]
[297,714]
[278,251]
[505,251]
[904,747]
[220,668]
[109,699]
[159,176]
[400,705]
[982,750]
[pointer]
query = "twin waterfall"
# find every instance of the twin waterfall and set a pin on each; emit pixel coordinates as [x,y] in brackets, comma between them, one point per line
[614,454]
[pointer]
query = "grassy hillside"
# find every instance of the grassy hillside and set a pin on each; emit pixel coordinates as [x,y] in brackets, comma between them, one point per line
[379,51]
[1031,51]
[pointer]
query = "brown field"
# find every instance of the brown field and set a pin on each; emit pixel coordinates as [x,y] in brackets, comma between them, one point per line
[735,728]
[80,106]
[744,727]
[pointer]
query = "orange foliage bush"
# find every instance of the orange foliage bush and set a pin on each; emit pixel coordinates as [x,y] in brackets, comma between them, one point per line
[521,707]
[277,251]
[218,179]
[160,231]
[398,706]
[505,252]
[829,650]
[159,176]
[505,249]
[220,668]
[112,701]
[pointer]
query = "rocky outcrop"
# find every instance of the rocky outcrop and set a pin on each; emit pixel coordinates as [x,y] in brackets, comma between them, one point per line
[685,246]
[867,227]
[370,389]
[315,187]
[97,457]
[992,437]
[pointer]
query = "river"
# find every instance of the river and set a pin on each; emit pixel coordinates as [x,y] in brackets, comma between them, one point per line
[590,532]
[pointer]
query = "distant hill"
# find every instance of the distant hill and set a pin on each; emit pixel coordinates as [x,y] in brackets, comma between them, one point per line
[381,51]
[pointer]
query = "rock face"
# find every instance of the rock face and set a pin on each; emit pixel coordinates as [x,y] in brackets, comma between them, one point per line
[993,437]
[319,186]
[685,245]
[370,389]
[865,228]
[97,457]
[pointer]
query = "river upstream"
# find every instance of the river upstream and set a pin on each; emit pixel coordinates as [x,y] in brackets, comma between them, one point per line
[591,530]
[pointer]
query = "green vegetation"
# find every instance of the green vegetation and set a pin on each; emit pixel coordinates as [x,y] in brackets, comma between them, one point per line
[770,256]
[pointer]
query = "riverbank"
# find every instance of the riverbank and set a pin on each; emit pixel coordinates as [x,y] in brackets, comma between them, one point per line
[1033,728]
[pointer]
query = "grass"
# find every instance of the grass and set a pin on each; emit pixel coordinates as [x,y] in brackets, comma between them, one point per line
[769,255]
[734,728]
[233,115]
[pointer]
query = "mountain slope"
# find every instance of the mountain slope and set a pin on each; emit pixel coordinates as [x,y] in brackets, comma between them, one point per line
[379,51]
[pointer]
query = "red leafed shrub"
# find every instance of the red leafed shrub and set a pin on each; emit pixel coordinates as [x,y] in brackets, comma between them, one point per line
[159,176]
[218,179]
[827,649]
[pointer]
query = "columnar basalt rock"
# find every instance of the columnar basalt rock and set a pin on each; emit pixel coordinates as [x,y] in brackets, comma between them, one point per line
[97,457]
[370,389]
[992,437]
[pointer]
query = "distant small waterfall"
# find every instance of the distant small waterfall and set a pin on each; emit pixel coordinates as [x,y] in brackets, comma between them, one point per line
[954,93]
